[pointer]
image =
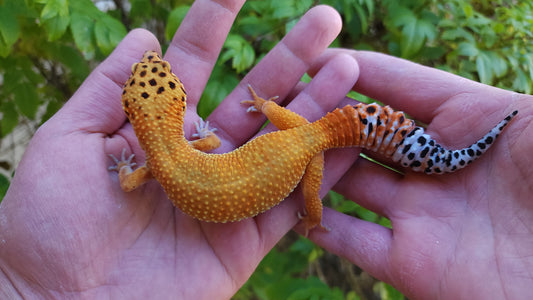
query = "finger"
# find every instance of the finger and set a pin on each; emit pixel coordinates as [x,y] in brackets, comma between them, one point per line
[419,90]
[363,243]
[277,73]
[370,185]
[325,91]
[96,105]
[197,43]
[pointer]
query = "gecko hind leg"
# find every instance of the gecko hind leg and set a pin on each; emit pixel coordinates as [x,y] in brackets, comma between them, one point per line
[311,180]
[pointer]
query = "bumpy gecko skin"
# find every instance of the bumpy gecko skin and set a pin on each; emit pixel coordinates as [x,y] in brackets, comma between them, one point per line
[260,174]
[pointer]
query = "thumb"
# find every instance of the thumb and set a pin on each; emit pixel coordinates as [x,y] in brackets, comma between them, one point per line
[96,106]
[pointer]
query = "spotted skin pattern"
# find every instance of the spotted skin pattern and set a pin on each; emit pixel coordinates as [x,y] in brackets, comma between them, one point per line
[260,174]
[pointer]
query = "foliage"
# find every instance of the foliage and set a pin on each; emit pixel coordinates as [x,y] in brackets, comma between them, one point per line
[48,47]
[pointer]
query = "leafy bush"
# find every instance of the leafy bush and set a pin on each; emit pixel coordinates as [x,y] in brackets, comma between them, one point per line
[48,47]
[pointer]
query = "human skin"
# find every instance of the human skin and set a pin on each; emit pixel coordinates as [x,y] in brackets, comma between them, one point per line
[467,235]
[68,231]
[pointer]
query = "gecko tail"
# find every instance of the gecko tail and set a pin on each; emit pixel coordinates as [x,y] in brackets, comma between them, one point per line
[382,130]
[421,153]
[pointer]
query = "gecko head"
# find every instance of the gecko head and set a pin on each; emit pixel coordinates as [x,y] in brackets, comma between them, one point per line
[153,92]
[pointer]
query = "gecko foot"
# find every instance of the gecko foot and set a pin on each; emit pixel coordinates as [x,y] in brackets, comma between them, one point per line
[202,129]
[257,101]
[311,223]
[123,162]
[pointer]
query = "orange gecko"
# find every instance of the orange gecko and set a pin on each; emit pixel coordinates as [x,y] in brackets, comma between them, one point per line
[260,174]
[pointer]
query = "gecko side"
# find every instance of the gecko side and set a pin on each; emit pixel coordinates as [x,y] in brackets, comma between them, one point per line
[261,173]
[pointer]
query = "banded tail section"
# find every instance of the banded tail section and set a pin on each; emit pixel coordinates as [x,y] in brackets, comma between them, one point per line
[390,133]
[421,153]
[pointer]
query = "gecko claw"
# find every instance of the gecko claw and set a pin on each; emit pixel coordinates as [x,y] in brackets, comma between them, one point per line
[202,129]
[122,162]
[257,102]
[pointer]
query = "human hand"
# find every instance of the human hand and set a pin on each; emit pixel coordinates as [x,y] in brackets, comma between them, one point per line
[466,235]
[68,230]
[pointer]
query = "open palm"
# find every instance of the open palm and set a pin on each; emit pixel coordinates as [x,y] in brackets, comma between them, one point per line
[68,230]
[465,235]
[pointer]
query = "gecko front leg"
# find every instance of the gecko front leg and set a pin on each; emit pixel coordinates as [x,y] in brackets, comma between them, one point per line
[130,179]
[207,139]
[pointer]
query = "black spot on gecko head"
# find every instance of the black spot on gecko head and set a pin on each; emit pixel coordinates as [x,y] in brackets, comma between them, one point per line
[152,82]
[143,73]
[142,84]
[162,74]
[160,90]
[154,70]
[172,85]
[145,95]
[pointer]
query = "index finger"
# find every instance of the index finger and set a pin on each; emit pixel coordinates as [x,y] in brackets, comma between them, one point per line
[414,88]
[195,46]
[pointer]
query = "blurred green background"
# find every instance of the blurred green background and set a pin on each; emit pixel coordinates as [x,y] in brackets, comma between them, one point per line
[48,47]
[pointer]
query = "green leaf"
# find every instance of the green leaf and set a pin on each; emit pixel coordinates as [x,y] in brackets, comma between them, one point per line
[468,10]
[4,185]
[174,20]
[53,8]
[109,32]
[483,68]
[467,49]
[415,31]
[240,51]
[220,84]
[74,62]
[9,29]
[82,28]
[9,118]
[522,83]
[458,34]
[140,8]
[26,99]
[55,17]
